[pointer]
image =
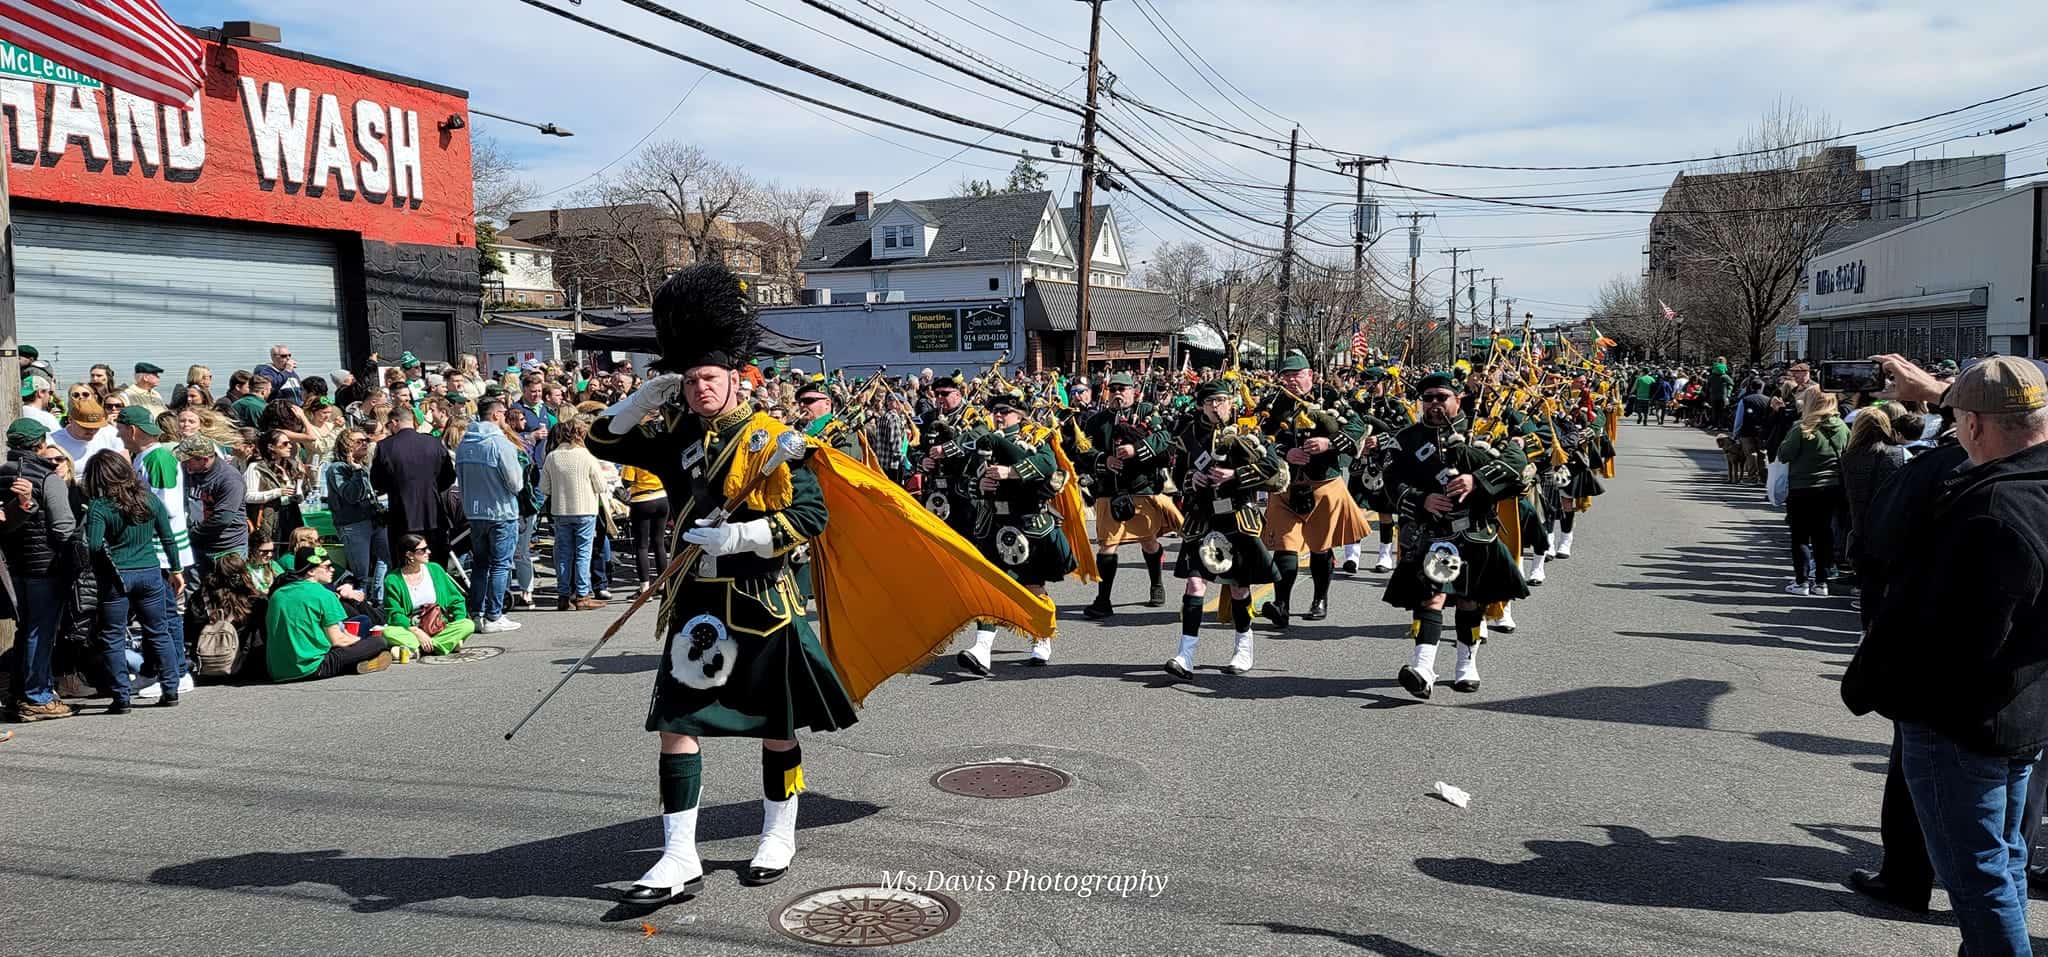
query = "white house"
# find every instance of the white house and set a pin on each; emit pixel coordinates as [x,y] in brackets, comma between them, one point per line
[958,247]
[529,276]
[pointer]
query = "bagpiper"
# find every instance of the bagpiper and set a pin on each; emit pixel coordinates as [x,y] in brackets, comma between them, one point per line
[1222,464]
[1315,513]
[1130,444]
[1384,414]
[1015,479]
[1447,487]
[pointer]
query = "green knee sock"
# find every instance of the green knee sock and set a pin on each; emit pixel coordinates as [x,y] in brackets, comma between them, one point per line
[682,780]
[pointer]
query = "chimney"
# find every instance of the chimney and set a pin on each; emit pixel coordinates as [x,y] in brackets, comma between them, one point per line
[554,222]
[863,205]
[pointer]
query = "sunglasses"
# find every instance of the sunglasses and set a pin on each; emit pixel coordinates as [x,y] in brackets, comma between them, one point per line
[1437,398]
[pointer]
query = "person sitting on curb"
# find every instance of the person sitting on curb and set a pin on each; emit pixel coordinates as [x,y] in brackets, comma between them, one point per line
[303,628]
[418,594]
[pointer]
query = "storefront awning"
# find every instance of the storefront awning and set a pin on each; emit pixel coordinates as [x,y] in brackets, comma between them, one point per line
[1975,298]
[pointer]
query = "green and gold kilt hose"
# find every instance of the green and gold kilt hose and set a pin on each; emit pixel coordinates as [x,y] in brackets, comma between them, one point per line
[781,680]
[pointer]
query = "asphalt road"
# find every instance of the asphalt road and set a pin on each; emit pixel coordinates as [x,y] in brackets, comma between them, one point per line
[1658,764]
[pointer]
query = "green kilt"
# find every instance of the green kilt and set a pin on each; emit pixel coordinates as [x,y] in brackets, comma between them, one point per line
[1489,574]
[1372,500]
[1050,559]
[1585,482]
[1534,534]
[1251,562]
[780,679]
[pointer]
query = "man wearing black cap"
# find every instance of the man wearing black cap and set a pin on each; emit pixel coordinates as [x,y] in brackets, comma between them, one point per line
[1221,469]
[1016,478]
[143,392]
[1130,445]
[946,456]
[1447,487]
[1317,437]
[738,662]
[1383,415]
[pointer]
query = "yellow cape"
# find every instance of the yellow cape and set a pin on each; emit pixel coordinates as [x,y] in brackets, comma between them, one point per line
[1073,523]
[894,583]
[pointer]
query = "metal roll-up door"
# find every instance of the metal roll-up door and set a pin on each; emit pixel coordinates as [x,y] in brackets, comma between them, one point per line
[100,289]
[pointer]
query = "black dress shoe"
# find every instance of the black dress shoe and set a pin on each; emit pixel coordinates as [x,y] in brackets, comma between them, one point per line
[1413,681]
[1097,611]
[641,895]
[1872,884]
[1318,610]
[757,876]
[1351,566]
[1467,685]
[119,707]
[971,663]
[1157,598]
[1176,669]
[1271,611]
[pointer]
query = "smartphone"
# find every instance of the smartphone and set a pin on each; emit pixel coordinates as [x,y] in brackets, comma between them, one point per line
[1851,375]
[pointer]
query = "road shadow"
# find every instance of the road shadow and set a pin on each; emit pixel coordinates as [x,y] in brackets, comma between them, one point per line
[623,664]
[1684,703]
[1379,944]
[1823,744]
[1637,869]
[578,865]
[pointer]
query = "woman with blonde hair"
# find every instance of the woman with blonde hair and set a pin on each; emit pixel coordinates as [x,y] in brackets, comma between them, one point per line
[1874,455]
[1812,453]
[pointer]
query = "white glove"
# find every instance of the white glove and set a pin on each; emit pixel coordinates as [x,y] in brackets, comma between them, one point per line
[728,538]
[627,412]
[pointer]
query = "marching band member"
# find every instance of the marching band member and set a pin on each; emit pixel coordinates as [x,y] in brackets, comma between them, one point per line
[1223,465]
[1383,415]
[1129,473]
[1447,488]
[1015,479]
[1315,513]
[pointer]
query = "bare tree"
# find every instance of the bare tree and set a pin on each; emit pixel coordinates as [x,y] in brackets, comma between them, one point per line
[696,193]
[495,177]
[615,245]
[1625,309]
[791,213]
[1743,229]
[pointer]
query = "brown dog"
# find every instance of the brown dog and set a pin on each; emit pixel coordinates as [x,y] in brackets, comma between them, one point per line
[1732,452]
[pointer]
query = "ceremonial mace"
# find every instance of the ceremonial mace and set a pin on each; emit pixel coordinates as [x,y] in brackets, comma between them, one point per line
[788,448]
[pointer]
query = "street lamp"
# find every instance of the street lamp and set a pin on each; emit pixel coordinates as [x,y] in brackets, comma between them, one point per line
[548,129]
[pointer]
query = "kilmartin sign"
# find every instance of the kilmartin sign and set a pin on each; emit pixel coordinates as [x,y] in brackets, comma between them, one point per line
[271,138]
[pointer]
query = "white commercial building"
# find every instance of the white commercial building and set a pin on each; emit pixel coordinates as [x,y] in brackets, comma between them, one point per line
[1967,282]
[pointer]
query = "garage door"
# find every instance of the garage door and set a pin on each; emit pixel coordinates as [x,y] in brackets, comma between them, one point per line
[92,289]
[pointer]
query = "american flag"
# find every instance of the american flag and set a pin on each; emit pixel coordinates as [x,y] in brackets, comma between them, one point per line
[1359,348]
[1670,314]
[129,45]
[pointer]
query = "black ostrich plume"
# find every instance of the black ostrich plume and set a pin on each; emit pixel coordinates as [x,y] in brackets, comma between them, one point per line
[702,318]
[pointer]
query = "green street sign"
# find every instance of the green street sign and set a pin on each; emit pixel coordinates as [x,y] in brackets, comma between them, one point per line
[15,61]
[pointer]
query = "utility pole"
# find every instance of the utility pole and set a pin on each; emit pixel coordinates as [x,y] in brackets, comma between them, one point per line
[1085,255]
[1360,226]
[1492,295]
[1451,337]
[1287,245]
[1414,277]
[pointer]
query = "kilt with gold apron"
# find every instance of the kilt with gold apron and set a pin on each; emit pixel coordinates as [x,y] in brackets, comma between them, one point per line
[1333,520]
[1152,516]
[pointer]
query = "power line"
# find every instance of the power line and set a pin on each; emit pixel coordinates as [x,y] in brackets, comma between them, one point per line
[1145,7]
[792,94]
[593,174]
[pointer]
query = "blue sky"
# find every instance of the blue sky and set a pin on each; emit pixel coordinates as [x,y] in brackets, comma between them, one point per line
[1603,81]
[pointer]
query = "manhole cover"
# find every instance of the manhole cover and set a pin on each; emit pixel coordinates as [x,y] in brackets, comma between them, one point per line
[463,655]
[1001,779]
[863,915]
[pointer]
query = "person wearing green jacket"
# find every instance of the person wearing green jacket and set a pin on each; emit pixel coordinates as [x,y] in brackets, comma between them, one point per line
[1812,454]
[417,583]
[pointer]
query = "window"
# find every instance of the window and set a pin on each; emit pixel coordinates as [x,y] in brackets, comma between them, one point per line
[878,280]
[428,335]
[888,237]
[994,283]
[909,238]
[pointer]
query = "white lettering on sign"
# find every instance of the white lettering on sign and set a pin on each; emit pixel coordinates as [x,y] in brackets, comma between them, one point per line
[18,102]
[376,165]
[75,114]
[185,141]
[136,131]
[277,127]
[330,151]
[406,175]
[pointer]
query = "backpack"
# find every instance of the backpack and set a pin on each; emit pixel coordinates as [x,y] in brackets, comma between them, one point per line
[219,649]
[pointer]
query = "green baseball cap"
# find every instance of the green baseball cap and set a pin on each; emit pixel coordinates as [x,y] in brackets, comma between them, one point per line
[27,435]
[141,418]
